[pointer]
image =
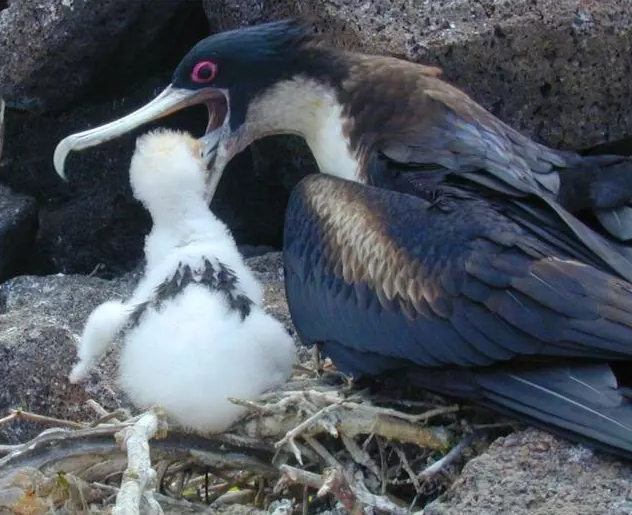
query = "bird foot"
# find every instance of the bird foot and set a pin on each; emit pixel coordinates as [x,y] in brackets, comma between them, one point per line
[79,372]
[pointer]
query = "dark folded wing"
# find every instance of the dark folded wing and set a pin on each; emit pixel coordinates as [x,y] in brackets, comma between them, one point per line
[459,136]
[391,274]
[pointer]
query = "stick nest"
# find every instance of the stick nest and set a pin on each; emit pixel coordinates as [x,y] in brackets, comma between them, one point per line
[318,443]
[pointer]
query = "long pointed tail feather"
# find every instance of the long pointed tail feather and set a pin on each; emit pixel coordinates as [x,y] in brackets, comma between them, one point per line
[618,222]
[580,402]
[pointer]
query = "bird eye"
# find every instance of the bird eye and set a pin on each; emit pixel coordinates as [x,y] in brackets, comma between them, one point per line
[204,71]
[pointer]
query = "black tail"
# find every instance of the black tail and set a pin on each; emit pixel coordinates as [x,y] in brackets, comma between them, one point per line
[601,184]
[581,402]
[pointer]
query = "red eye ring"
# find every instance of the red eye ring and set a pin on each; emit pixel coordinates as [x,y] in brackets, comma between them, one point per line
[204,71]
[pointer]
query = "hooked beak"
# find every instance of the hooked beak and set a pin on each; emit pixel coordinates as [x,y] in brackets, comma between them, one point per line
[170,100]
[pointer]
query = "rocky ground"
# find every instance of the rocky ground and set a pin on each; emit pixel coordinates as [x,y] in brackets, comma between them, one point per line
[527,472]
[558,71]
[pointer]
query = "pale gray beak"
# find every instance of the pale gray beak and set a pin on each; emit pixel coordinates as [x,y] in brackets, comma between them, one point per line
[170,100]
[210,142]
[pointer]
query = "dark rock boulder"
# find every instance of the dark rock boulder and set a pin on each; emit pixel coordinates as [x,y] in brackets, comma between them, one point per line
[50,52]
[2,110]
[92,220]
[18,225]
[559,71]
[61,53]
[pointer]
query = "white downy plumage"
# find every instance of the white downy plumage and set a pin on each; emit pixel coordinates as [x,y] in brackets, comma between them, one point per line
[195,333]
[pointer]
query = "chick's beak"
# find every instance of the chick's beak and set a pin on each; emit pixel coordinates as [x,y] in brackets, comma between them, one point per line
[170,100]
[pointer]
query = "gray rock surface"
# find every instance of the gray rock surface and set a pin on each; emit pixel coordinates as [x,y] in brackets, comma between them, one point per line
[269,270]
[557,70]
[40,319]
[51,50]
[2,110]
[535,473]
[18,225]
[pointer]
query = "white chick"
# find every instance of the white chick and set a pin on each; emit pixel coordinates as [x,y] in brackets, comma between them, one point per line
[194,331]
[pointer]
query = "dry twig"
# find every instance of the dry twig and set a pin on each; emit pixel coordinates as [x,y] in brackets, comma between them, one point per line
[352,493]
[347,447]
[139,479]
[449,458]
[19,414]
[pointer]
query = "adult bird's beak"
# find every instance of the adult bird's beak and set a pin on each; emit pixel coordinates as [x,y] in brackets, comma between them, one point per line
[209,143]
[169,101]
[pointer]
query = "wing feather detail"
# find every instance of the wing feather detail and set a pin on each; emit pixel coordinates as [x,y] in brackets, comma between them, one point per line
[446,287]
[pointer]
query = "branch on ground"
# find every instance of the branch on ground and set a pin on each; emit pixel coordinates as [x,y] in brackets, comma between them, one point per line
[328,439]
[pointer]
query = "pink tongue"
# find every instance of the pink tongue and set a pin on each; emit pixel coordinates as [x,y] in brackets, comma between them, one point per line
[211,118]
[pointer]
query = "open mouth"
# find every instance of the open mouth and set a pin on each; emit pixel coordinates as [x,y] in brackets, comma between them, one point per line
[170,100]
[217,110]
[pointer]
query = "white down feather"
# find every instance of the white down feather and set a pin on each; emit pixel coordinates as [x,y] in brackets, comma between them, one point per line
[193,352]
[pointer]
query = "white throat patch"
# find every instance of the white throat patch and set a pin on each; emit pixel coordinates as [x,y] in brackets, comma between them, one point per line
[331,148]
[308,109]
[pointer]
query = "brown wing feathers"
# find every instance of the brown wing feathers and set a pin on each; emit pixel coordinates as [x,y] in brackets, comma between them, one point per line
[463,266]
[418,118]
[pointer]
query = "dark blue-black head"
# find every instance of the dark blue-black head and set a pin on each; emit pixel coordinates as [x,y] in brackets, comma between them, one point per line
[227,71]
[260,54]
[242,63]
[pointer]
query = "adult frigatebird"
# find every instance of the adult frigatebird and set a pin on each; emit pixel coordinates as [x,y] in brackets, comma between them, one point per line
[444,247]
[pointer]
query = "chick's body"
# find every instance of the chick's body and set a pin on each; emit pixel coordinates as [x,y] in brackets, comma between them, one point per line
[194,352]
[195,331]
